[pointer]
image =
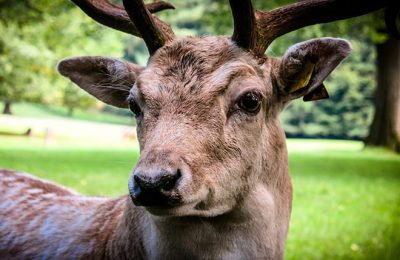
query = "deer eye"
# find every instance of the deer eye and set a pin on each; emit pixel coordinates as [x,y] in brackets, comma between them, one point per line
[250,102]
[134,107]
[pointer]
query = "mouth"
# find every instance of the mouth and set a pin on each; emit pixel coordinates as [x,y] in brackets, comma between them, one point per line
[189,210]
[159,200]
[197,208]
[171,203]
[182,210]
[160,205]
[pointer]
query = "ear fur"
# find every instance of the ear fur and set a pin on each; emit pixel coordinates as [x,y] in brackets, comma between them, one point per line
[107,79]
[306,65]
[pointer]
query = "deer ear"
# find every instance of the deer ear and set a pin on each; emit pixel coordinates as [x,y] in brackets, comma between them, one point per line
[306,65]
[108,79]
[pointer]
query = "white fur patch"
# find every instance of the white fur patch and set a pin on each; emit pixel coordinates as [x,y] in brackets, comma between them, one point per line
[34,191]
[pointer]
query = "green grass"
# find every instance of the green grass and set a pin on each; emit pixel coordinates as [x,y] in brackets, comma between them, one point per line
[346,204]
[44,111]
[96,170]
[346,200]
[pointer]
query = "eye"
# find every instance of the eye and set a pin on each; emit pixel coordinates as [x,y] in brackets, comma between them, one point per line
[134,107]
[250,102]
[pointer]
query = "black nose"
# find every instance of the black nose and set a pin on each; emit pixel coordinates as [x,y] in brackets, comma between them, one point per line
[157,189]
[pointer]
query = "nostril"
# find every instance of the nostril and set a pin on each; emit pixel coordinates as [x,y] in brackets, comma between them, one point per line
[139,181]
[155,188]
[163,181]
[170,181]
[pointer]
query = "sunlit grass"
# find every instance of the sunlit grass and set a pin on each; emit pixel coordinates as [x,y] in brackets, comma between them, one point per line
[346,200]
[346,204]
[53,111]
[91,170]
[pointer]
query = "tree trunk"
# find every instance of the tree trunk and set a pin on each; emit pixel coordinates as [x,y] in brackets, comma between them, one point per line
[385,127]
[7,108]
[70,112]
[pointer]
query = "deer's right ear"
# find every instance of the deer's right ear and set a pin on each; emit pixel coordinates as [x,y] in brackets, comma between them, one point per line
[306,65]
[108,79]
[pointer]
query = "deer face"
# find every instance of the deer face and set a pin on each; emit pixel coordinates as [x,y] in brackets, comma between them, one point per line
[201,107]
[206,114]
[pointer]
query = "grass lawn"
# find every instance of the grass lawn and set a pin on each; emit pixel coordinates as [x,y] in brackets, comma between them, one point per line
[43,111]
[91,170]
[346,200]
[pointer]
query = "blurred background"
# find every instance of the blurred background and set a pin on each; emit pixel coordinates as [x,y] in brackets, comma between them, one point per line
[343,152]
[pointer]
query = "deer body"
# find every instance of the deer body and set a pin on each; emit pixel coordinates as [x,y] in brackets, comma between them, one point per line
[212,179]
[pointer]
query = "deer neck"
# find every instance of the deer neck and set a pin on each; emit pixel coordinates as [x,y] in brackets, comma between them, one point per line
[255,227]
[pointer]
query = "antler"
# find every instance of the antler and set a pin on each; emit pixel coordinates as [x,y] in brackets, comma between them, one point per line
[136,19]
[154,32]
[244,33]
[264,27]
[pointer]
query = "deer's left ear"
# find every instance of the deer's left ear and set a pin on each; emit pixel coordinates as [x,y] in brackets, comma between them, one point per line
[306,65]
[108,79]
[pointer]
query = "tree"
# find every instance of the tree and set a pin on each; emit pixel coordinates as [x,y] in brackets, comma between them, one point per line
[385,127]
[384,130]
[8,61]
[35,36]
[22,53]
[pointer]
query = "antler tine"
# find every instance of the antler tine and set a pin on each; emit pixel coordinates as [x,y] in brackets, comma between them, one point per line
[289,18]
[244,23]
[159,6]
[272,24]
[117,17]
[154,32]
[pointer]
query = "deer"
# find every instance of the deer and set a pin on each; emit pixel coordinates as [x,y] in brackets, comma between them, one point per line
[212,180]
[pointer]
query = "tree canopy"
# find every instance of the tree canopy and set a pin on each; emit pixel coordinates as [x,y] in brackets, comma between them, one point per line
[35,36]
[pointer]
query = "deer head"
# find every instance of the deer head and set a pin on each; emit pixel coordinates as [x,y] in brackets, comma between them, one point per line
[207,108]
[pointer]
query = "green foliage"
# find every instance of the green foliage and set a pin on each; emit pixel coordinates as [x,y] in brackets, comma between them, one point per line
[14,55]
[74,97]
[22,12]
[35,36]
